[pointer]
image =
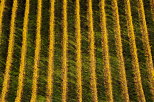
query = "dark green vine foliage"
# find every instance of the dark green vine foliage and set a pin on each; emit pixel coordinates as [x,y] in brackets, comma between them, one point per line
[84,52]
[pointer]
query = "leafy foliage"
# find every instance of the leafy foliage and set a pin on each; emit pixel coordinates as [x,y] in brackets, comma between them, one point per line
[72,79]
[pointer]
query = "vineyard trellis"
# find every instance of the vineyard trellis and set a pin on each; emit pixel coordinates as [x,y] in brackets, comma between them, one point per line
[23,54]
[51,54]
[104,35]
[120,52]
[92,53]
[107,70]
[78,52]
[145,39]
[37,52]
[10,52]
[133,49]
[64,56]
[2,6]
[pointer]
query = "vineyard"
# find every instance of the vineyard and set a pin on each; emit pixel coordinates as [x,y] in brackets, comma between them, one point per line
[76,50]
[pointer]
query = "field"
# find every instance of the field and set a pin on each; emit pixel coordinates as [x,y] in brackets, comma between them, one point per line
[76,50]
